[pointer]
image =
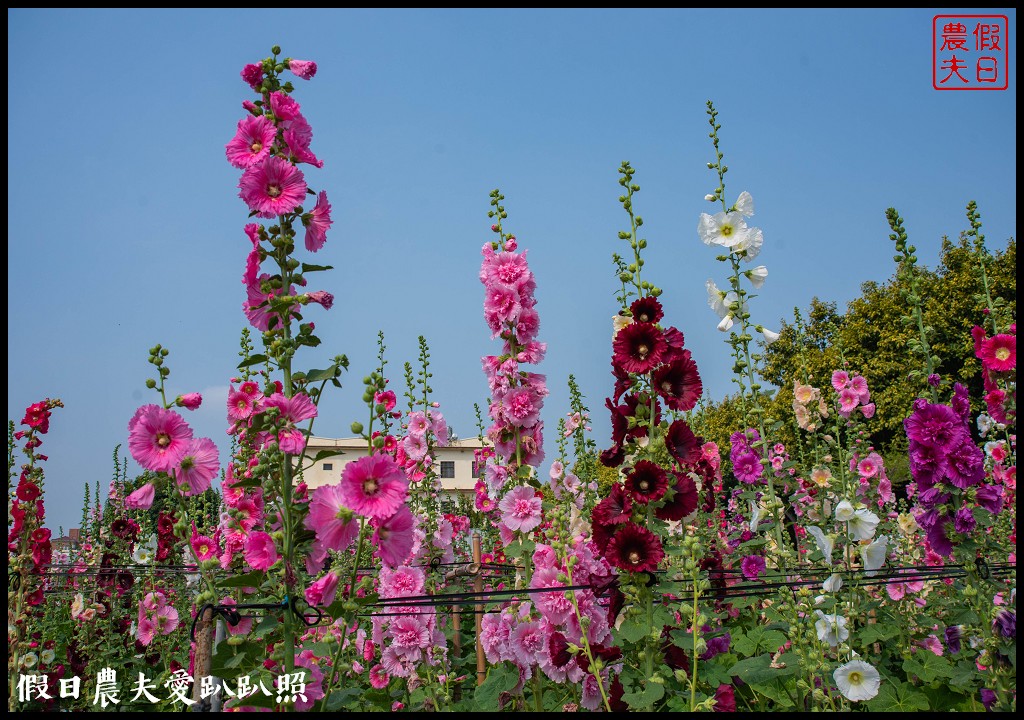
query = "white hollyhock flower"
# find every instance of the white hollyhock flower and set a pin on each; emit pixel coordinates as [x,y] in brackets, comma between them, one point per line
[825,542]
[770,336]
[710,197]
[724,304]
[755,516]
[857,680]
[844,511]
[145,552]
[831,628]
[862,525]
[873,555]
[833,584]
[750,244]
[619,322]
[724,229]
[745,204]
[757,276]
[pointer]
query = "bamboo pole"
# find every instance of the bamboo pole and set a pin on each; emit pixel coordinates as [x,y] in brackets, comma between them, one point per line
[478,587]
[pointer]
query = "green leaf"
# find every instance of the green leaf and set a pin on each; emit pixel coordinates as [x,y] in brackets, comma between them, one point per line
[500,678]
[928,666]
[646,697]
[249,579]
[776,690]
[758,640]
[633,629]
[319,375]
[308,268]
[758,670]
[877,632]
[897,698]
[252,360]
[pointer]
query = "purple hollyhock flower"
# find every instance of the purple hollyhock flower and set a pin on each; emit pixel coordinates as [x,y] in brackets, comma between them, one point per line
[752,566]
[936,426]
[963,521]
[953,633]
[717,646]
[965,464]
[1005,623]
[938,538]
[990,497]
[988,698]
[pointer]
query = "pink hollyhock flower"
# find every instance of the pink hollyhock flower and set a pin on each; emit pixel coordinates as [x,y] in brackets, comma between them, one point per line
[322,298]
[501,306]
[272,187]
[166,620]
[318,222]
[244,624]
[373,486]
[999,353]
[410,633]
[152,602]
[197,467]
[510,270]
[848,400]
[520,509]
[252,260]
[158,438]
[260,552]
[314,679]
[860,386]
[870,466]
[868,410]
[253,75]
[323,590]
[305,69]
[145,631]
[439,426]
[393,538]
[203,547]
[189,401]
[840,380]
[521,407]
[252,142]
[329,519]
[386,398]
[417,424]
[403,581]
[379,677]
[141,499]
[527,641]
[752,566]
[284,106]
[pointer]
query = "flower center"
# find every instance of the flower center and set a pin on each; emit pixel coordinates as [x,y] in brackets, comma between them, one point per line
[633,557]
[666,386]
[856,678]
[642,350]
[1002,353]
[163,439]
[643,318]
[273,190]
[370,486]
[727,230]
[644,485]
[256,147]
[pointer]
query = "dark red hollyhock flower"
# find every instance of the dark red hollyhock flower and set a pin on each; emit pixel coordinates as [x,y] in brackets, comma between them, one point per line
[683,502]
[679,383]
[607,654]
[558,648]
[646,482]
[634,549]
[614,509]
[616,601]
[601,534]
[40,535]
[638,347]
[28,490]
[165,524]
[619,423]
[646,310]
[615,693]
[682,443]
[674,340]
[622,381]
[725,699]
[675,657]
[613,456]
[37,416]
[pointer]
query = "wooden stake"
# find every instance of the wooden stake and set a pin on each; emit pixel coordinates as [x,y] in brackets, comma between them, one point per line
[478,587]
[204,650]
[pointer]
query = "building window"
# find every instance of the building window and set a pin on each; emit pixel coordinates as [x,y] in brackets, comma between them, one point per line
[328,466]
[448,468]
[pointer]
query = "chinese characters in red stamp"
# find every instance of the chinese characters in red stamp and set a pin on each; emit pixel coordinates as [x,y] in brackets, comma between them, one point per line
[970,52]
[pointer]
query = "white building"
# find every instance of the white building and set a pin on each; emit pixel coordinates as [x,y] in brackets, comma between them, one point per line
[456,465]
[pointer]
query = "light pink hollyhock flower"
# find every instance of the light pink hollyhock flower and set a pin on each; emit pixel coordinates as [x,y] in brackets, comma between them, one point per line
[326,511]
[848,400]
[145,631]
[409,634]
[553,606]
[868,411]
[314,679]
[934,644]
[870,466]
[158,438]
[252,141]
[379,677]
[318,222]
[189,401]
[520,509]
[152,602]
[860,386]
[506,534]
[272,187]
[393,537]
[840,380]
[439,426]
[322,592]
[166,619]
[197,467]
[415,447]
[494,632]
[291,441]
[305,69]
[556,470]
[527,641]
[260,552]
[885,490]
[417,424]
[501,306]
[374,486]
[244,625]
[141,499]
[403,581]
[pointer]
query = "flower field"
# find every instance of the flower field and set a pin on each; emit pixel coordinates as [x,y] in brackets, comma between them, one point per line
[816,541]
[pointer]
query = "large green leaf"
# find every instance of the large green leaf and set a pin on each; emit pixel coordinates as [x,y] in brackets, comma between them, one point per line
[500,678]
[928,666]
[758,640]
[645,697]
[897,698]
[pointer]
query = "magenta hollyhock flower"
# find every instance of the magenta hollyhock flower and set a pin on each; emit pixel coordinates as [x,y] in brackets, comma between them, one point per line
[679,383]
[189,401]
[204,547]
[313,677]
[284,106]
[260,552]
[244,624]
[272,187]
[934,425]
[197,467]
[634,549]
[158,438]
[725,698]
[520,509]
[379,677]
[393,538]
[252,142]
[330,519]
[638,347]
[374,486]
[752,566]
[298,135]
[295,409]
[305,69]
[386,398]
[318,222]
[521,406]
[999,353]
[747,468]
[253,75]
[322,591]
[141,499]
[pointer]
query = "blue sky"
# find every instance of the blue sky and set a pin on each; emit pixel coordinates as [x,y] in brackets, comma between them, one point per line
[125,229]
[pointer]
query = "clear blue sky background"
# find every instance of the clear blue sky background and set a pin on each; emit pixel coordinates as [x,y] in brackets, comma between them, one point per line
[125,229]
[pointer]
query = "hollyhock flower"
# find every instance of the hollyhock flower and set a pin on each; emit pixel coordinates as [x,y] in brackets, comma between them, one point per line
[305,69]
[831,628]
[679,383]
[141,499]
[189,401]
[158,438]
[253,75]
[322,298]
[752,566]
[825,542]
[952,636]
[683,502]
[844,511]
[145,631]
[725,698]
[747,468]
[848,400]
[252,141]
[933,425]
[618,322]
[615,509]
[724,229]
[999,353]
[635,549]
[386,398]
[317,222]
[988,698]
[646,482]
[862,525]
[393,538]
[869,466]
[857,680]
[638,347]
[1005,623]
[873,555]
[322,592]
[757,276]
[990,497]
[403,581]
[868,410]
[145,552]
[373,486]
[284,106]
[965,464]
[37,416]
[521,407]
[963,521]
[520,509]
[501,306]
[330,518]
[840,380]
[379,677]
[197,467]
[770,336]
[203,546]
[260,552]
[647,310]
[509,270]
[682,443]
[272,187]
[166,620]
